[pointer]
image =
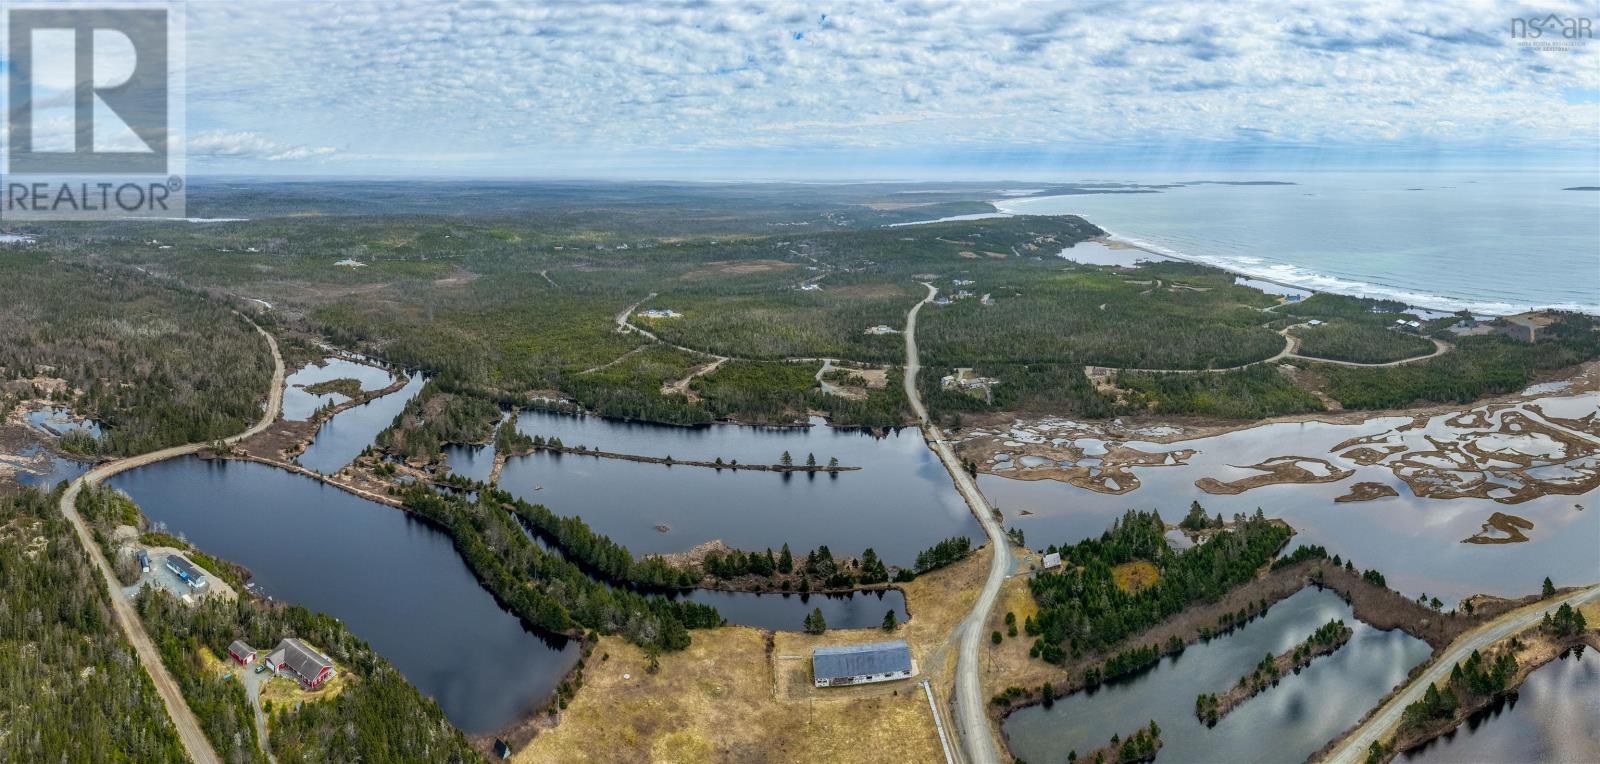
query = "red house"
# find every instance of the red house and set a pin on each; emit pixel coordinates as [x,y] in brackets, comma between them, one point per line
[242,653]
[295,657]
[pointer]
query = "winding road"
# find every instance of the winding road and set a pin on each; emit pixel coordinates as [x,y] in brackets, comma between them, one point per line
[1354,747]
[188,726]
[972,720]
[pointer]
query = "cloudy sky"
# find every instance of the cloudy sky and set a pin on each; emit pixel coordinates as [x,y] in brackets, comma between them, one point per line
[870,89]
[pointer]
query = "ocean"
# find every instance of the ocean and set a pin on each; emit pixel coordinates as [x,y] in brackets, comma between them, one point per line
[1491,243]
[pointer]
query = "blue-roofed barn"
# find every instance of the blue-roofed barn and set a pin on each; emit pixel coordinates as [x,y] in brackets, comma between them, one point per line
[862,664]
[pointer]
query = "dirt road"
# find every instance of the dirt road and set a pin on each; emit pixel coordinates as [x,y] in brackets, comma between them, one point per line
[194,740]
[1354,747]
[972,721]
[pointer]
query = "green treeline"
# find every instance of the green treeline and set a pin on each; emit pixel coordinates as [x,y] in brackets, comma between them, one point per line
[596,552]
[1470,681]
[377,718]
[946,552]
[71,688]
[1082,609]
[543,588]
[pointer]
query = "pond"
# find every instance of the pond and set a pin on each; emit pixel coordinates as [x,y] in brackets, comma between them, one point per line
[60,421]
[900,502]
[1550,718]
[299,405]
[1416,542]
[341,439]
[1285,723]
[59,469]
[1098,253]
[393,580]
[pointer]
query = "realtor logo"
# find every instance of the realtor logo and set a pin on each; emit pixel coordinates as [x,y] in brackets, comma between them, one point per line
[94,113]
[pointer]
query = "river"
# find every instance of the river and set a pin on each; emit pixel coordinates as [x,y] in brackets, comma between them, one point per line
[1285,723]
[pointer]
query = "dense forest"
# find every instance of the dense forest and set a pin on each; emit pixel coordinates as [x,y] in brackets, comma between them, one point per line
[1360,341]
[1479,366]
[73,689]
[1250,393]
[157,364]
[379,717]
[436,417]
[1081,608]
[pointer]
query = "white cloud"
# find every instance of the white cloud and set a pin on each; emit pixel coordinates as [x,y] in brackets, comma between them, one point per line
[249,145]
[545,84]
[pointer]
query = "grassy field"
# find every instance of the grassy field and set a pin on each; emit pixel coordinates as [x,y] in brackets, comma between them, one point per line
[740,695]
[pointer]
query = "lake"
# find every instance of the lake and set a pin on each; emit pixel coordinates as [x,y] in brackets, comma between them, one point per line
[299,405]
[393,580]
[1285,723]
[900,502]
[342,438]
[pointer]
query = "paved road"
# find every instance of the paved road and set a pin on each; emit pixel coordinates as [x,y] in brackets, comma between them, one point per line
[194,740]
[972,720]
[1354,748]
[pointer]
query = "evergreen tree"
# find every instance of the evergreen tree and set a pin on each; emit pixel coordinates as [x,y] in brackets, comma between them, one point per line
[815,623]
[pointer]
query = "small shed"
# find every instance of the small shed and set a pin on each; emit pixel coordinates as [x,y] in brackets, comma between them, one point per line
[242,653]
[1052,560]
[502,749]
[862,664]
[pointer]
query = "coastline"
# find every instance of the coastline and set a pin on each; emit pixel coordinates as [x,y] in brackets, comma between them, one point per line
[1003,210]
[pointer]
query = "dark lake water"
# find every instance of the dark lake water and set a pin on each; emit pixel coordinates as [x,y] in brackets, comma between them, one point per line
[340,439]
[901,502]
[1555,716]
[1415,542]
[1286,723]
[393,580]
[787,612]
[475,462]
[299,405]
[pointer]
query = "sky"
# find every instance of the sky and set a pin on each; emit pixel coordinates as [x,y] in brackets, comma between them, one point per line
[880,90]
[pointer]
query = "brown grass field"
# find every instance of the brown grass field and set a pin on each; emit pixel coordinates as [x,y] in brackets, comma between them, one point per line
[743,694]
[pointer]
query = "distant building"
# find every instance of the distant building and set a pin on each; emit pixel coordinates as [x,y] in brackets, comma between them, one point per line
[1314,322]
[659,313]
[882,329]
[1052,560]
[1525,327]
[297,658]
[242,653]
[187,572]
[862,664]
